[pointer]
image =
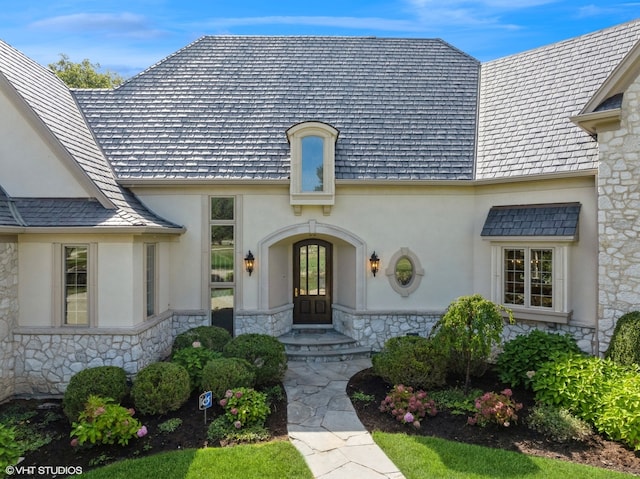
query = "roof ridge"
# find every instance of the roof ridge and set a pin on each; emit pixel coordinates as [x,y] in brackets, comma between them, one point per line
[559,43]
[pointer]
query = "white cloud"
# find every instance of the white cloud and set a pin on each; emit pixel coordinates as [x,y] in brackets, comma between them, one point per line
[123,24]
[368,23]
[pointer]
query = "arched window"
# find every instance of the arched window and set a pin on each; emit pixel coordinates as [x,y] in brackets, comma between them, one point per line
[312,165]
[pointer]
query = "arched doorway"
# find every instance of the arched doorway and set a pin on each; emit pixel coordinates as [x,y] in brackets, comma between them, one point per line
[312,282]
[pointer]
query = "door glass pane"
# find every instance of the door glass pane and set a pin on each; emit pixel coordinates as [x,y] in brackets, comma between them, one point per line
[222,253]
[514,270]
[76,309]
[312,162]
[322,271]
[303,270]
[312,271]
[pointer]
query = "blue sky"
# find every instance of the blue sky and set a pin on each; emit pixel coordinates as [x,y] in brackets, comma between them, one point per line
[129,36]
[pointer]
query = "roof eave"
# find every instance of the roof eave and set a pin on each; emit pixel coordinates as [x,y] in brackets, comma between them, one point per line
[599,121]
[136,230]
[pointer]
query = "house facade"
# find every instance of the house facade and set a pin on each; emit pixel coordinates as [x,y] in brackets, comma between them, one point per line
[251,183]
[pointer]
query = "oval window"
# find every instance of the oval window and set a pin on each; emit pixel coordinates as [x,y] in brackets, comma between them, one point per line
[404,271]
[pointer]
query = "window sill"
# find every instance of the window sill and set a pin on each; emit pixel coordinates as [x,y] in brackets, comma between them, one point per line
[540,315]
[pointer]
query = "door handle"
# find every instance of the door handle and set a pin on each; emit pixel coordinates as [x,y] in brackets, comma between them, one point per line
[295,292]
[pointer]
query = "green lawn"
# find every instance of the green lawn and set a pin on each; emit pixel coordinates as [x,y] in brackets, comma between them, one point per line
[272,460]
[420,457]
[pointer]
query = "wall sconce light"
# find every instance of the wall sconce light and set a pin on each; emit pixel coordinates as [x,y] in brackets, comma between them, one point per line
[248,262]
[375,263]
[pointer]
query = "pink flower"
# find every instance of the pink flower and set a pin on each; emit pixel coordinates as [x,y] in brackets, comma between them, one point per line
[234,411]
[74,442]
[507,392]
[196,344]
[472,421]
[223,402]
[238,394]
[228,394]
[131,411]
[408,417]
[237,424]
[99,410]
[142,431]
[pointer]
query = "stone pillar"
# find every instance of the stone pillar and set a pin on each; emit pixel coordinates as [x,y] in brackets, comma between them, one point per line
[619,218]
[8,314]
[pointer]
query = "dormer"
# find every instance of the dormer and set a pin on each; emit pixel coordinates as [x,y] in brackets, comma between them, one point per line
[312,165]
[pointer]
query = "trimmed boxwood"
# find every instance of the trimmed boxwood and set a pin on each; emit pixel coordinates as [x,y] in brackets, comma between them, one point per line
[210,337]
[625,343]
[412,361]
[104,381]
[160,388]
[265,353]
[220,375]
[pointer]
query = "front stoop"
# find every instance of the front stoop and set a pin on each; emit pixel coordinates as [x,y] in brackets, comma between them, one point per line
[321,344]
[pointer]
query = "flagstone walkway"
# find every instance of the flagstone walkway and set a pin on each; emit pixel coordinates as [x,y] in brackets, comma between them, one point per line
[323,424]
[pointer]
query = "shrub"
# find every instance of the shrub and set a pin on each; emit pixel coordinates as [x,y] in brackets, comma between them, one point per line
[194,359]
[558,424]
[220,375]
[577,383]
[265,353]
[469,329]
[245,407]
[160,388]
[619,416]
[221,430]
[625,342]
[10,450]
[105,381]
[495,408]
[411,360]
[104,422]
[407,406]
[210,337]
[523,355]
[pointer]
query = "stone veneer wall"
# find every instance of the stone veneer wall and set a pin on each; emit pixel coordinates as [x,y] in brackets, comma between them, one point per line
[8,315]
[619,218]
[372,329]
[46,359]
[273,323]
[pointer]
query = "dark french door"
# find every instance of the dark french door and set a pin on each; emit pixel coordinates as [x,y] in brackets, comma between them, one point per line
[312,282]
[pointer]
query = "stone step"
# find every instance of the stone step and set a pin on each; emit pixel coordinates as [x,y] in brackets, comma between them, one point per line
[321,344]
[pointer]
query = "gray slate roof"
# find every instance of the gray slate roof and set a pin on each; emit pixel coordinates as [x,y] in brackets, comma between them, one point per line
[526,101]
[533,220]
[53,103]
[220,107]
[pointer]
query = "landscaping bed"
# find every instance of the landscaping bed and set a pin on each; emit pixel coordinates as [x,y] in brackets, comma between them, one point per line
[596,451]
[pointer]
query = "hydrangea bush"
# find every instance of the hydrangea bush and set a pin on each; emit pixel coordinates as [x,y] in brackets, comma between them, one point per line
[407,406]
[495,408]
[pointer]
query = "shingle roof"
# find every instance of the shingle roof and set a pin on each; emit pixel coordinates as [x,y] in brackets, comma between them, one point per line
[220,107]
[533,220]
[526,101]
[52,102]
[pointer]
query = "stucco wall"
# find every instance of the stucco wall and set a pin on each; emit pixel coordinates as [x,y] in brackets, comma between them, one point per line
[18,178]
[8,313]
[619,217]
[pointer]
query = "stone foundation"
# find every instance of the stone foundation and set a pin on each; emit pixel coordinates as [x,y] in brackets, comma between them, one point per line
[274,323]
[47,358]
[8,314]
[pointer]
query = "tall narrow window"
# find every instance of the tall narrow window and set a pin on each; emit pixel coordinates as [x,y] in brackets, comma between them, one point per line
[313,151]
[76,298]
[150,279]
[312,163]
[222,261]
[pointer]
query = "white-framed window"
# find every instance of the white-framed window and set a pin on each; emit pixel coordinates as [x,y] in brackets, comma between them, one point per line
[312,165]
[150,279]
[530,279]
[78,269]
